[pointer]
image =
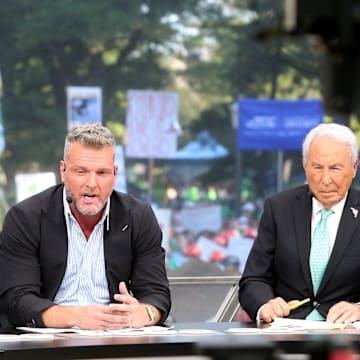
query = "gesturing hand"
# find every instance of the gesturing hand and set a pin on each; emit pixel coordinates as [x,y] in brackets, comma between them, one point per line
[130,308]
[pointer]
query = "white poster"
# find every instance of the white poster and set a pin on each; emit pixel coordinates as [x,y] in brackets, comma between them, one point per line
[152,125]
[84,105]
[205,218]
[31,184]
[120,184]
[164,218]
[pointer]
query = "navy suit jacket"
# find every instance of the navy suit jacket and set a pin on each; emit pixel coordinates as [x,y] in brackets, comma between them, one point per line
[278,263]
[34,248]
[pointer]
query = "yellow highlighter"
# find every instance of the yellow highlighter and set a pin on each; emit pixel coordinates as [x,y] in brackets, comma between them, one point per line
[299,303]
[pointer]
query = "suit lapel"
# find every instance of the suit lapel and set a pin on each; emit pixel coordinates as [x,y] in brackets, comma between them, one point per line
[348,223]
[117,244]
[302,209]
[53,249]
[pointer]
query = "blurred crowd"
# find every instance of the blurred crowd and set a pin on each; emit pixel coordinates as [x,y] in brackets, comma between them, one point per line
[213,253]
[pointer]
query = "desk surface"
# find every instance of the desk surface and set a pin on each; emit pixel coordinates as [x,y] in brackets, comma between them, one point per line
[74,346]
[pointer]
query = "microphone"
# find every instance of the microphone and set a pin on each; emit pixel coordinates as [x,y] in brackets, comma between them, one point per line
[69,199]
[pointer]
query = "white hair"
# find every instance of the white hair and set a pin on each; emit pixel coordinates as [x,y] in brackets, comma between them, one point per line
[338,132]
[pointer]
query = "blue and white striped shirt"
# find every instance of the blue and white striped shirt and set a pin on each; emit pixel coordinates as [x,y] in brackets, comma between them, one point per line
[85,280]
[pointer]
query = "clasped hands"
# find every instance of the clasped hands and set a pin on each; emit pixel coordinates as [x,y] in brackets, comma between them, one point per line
[128,312]
[342,312]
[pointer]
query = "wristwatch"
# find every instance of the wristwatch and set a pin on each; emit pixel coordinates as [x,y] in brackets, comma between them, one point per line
[151,313]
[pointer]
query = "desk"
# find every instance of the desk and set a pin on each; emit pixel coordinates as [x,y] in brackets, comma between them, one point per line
[218,345]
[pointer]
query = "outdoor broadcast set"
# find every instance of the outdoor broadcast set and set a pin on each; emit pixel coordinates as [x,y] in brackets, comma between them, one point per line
[209,315]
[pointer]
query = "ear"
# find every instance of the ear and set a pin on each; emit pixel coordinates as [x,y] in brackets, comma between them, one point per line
[304,165]
[116,170]
[62,167]
[355,167]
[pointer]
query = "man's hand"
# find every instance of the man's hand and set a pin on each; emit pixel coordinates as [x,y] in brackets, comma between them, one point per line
[130,308]
[90,317]
[344,313]
[129,313]
[276,307]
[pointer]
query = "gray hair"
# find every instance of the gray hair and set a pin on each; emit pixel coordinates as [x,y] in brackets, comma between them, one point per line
[94,135]
[337,132]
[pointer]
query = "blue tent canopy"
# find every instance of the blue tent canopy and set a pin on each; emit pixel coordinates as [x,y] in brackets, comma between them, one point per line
[204,147]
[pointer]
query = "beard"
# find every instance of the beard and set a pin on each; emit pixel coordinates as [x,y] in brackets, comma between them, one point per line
[92,210]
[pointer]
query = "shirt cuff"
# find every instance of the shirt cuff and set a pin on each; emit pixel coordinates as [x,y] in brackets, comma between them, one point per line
[258,320]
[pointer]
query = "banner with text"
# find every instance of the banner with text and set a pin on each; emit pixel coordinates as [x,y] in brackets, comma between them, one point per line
[276,124]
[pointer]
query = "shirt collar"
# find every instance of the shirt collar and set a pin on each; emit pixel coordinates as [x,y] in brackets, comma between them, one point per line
[337,208]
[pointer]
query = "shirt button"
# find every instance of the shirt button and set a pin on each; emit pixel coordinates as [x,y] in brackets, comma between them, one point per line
[31,324]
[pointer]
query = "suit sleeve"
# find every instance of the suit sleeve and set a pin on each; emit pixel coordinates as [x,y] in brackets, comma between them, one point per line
[20,279]
[257,282]
[149,281]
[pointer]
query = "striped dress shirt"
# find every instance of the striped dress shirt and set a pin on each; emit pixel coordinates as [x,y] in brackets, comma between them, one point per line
[84,280]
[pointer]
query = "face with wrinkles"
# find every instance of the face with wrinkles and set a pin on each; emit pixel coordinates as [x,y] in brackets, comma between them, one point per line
[89,176]
[329,170]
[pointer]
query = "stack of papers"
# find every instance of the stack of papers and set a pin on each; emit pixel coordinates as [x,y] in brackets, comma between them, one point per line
[285,325]
[147,330]
[299,324]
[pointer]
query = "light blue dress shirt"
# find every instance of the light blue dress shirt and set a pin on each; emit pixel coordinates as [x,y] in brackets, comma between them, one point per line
[85,280]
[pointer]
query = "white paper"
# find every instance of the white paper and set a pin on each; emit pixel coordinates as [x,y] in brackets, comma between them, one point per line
[299,324]
[47,330]
[147,330]
[285,325]
[356,325]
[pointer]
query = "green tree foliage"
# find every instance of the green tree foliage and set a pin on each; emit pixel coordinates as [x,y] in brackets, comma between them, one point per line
[236,55]
[206,51]
[48,45]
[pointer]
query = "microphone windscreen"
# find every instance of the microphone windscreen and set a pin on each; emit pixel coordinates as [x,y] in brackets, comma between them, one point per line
[69,199]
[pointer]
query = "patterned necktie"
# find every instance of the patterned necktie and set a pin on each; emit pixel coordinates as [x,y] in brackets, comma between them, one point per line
[319,256]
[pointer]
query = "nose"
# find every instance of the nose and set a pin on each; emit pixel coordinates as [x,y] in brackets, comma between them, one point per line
[92,179]
[326,177]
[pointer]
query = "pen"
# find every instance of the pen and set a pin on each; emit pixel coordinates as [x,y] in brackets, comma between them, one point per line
[295,305]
